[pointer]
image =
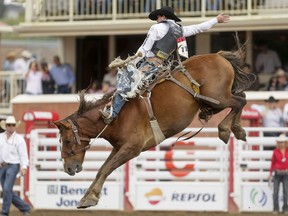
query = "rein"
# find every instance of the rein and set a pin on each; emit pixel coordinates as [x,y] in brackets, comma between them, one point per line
[184,139]
[78,139]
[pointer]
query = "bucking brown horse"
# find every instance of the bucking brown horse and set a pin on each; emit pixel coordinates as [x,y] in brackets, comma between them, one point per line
[130,133]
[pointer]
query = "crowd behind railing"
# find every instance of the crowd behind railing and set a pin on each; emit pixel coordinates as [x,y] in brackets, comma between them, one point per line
[75,10]
[24,73]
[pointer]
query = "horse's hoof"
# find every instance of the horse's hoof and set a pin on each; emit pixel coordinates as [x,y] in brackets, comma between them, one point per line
[240,134]
[87,203]
[224,136]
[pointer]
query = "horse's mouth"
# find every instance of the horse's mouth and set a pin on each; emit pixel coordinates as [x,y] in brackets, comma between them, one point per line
[73,170]
[78,168]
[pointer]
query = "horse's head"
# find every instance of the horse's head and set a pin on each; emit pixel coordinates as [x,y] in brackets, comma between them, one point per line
[74,140]
[73,145]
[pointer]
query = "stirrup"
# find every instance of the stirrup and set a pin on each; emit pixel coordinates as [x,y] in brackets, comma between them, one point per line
[108,111]
[107,118]
[106,115]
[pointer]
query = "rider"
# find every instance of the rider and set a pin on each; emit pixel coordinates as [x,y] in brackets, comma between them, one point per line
[159,44]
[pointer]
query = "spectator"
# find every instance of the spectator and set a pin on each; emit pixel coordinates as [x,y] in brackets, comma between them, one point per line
[285,115]
[111,77]
[272,115]
[9,62]
[33,79]
[13,156]
[272,84]
[279,166]
[8,65]
[63,76]
[47,80]
[248,69]
[22,64]
[213,5]
[94,87]
[281,84]
[93,6]
[85,7]
[267,61]
[106,87]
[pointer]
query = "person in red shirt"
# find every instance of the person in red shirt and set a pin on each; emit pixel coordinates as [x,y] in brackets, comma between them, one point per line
[279,166]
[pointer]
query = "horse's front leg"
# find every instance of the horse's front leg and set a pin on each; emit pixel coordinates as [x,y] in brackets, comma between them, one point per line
[96,199]
[115,160]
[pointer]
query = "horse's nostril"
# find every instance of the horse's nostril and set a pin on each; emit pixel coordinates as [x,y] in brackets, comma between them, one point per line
[69,170]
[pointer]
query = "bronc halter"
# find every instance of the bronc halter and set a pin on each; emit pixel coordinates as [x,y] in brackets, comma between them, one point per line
[78,139]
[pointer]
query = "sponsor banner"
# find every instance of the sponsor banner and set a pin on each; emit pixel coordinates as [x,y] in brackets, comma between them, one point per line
[67,195]
[181,197]
[259,198]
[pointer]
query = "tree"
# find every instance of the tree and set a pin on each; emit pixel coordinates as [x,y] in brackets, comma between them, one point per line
[2,8]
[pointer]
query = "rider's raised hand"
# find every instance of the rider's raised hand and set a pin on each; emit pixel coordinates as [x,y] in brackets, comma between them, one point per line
[223,18]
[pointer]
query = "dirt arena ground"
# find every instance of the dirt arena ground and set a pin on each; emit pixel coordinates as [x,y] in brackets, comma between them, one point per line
[136,213]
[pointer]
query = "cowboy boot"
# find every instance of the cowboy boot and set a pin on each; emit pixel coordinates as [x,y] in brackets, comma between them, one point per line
[106,114]
[109,113]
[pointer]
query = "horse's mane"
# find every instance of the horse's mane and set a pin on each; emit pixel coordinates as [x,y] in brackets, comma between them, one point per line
[85,105]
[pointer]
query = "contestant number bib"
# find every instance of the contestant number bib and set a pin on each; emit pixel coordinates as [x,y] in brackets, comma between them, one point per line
[182,47]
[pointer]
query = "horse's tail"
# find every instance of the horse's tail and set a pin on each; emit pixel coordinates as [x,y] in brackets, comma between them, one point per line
[242,80]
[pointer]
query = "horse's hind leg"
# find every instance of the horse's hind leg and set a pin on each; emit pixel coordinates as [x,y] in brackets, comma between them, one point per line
[236,103]
[115,160]
[236,127]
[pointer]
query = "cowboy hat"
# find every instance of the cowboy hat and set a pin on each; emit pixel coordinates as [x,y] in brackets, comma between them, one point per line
[26,54]
[271,99]
[280,72]
[165,10]
[11,55]
[281,138]
[9,120]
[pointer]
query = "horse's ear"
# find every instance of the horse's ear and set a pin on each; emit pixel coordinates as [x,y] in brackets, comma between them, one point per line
[59,124]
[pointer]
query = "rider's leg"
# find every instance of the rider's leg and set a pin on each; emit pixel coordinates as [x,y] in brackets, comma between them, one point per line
[110,113]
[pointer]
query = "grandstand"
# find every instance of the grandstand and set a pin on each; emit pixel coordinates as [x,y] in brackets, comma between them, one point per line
[92,35]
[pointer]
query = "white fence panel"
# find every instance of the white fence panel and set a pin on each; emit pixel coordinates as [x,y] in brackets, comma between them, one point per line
[252,160]
[182,179]
[47,178]
[192,177]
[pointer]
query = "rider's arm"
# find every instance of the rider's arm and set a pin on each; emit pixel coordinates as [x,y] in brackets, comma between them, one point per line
[202,27]
[195,29]
[152,36]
